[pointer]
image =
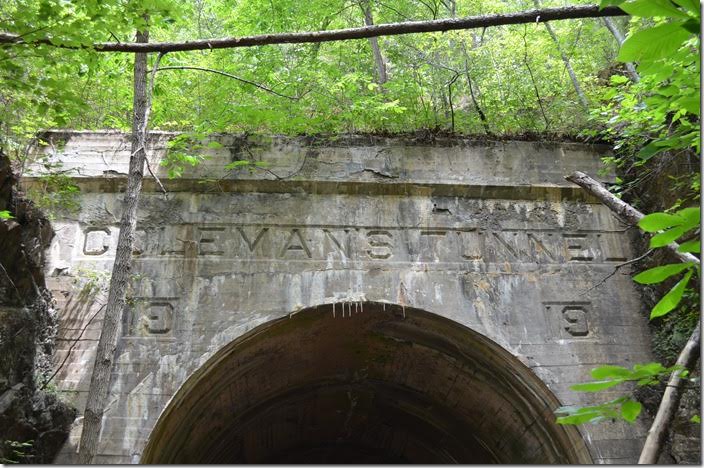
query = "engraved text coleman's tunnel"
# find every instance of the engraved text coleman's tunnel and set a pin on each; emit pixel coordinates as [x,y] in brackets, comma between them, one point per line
[367,383]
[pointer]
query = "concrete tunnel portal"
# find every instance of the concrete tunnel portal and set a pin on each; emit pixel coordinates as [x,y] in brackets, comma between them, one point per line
[364,383]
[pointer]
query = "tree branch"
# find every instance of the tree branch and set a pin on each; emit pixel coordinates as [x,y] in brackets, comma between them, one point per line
[73,345]
[218,72]
[616,268]
[12,283]
[161,186]
[390,29]
[621,208]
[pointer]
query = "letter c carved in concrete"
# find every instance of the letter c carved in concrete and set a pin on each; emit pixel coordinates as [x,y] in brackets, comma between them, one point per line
[97,241]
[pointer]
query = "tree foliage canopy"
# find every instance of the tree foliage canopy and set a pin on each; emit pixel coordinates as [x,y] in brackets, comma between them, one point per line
[503,80]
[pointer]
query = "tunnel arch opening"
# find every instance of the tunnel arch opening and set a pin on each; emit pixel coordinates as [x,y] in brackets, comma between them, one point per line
[387,384]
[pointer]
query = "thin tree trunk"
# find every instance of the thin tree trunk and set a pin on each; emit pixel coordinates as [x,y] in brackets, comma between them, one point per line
[379,61]
[532,80]
[687,358]
[670,401]
[451,7]
[452,107]
[566,60]
[100,380]
[611,26]
[315,50]
[472,84]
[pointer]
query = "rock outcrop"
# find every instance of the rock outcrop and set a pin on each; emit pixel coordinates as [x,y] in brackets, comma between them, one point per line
[33,422]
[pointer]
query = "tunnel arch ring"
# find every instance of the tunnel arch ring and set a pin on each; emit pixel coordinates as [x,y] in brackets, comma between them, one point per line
[389,384]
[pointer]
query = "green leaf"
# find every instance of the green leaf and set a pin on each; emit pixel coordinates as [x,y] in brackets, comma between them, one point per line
[595,386]
[658,221]
[630,410]
[692,6]
[607,372]
[604,3]
[669,91]
[5,214]
[696,419]
[661,273]
[692,26]
[690,104]
[650,150]
[649,369]
[237,164]
[691,246]
[619,79]
[671,299]
[649,8]
[664,238]
[580,415]
[691,216]
[656,69]
[580,418]
[214,145]
[653,43]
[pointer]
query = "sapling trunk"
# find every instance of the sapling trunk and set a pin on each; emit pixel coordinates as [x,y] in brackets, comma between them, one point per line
[100,379]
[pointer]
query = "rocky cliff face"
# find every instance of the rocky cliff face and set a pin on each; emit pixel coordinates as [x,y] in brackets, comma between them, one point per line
[33,422]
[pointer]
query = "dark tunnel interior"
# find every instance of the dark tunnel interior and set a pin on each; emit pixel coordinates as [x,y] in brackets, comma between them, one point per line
[387,384]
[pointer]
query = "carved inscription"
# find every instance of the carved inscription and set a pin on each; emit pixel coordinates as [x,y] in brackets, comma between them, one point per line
[150,317]
[96,241]
[432,245]
[575,320]
[472,245]
[380,244]
[210,241]
[427,244]
[569,320]
[577,247]
[257,237]
[611,244]
[295,243]
[342,246]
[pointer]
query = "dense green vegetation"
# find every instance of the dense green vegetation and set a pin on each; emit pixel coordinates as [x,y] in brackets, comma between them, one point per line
[654,122]
[503,80]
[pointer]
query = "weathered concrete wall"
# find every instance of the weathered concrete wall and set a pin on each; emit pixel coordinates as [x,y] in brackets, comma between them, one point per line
[487,234]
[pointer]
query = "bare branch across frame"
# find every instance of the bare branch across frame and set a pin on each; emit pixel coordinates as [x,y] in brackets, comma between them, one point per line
[391,29]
